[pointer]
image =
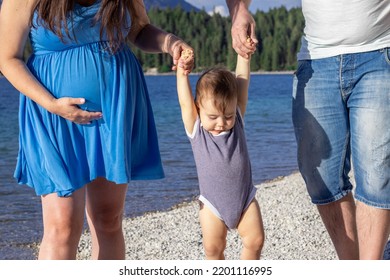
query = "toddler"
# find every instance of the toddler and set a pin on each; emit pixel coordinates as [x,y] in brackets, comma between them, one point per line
[215,128]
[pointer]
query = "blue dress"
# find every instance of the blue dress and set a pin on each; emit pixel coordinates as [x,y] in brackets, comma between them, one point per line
[59,156]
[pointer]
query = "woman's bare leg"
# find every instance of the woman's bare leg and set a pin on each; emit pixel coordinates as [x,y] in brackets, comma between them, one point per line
[105,206]
[63,219]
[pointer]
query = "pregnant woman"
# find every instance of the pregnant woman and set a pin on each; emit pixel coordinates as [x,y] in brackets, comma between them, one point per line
[86,123]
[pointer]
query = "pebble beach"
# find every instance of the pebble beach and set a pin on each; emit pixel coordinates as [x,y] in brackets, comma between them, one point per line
[293,228]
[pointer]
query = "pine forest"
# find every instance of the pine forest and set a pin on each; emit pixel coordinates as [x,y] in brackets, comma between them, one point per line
[279,33]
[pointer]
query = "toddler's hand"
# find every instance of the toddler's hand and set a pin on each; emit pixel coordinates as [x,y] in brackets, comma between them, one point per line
[186,60]
[251,44]
[187,53]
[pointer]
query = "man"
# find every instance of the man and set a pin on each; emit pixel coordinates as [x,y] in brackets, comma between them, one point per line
[341,108]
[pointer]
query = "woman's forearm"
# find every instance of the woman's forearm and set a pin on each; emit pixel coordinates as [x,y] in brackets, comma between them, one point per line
[153,40]
[21,78]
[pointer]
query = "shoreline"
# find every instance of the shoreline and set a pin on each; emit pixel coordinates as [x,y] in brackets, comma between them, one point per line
[172,73]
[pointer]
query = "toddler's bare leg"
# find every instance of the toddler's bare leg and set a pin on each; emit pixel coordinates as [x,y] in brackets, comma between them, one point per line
[214,234]
[251,230]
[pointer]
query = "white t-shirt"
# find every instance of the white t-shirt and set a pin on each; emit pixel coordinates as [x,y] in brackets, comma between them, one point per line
[335,27]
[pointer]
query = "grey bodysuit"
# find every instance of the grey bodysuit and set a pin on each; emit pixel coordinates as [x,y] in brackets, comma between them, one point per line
[224,171]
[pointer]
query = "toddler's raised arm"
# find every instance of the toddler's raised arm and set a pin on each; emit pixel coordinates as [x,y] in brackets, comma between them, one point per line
[243,77]
[186,100]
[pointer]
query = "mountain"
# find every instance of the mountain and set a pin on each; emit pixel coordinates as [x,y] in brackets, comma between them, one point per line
[163,4]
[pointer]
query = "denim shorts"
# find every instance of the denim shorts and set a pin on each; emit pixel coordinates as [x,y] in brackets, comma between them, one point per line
[341,117]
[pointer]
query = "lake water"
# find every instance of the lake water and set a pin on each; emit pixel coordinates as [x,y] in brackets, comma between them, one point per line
[270,138]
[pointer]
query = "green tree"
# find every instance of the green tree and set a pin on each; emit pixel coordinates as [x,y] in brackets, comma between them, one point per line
[279,32]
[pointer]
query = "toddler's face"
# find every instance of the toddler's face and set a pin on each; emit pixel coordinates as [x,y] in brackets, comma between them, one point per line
[215,121]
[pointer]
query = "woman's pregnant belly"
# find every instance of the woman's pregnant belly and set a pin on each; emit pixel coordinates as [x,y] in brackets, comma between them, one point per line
[81,72]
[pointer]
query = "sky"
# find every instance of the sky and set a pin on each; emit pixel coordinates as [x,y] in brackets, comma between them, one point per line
[264,5]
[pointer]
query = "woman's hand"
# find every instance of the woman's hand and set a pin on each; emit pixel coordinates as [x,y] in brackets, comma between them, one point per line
[175,46]
[68,108]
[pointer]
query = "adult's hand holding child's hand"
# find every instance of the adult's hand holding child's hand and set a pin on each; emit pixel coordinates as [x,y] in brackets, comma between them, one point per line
[186,60]
[175,47]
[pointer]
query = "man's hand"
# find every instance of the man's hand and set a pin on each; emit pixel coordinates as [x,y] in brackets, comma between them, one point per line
[243,25]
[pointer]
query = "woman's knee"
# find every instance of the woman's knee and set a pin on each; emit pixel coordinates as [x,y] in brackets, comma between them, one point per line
[63,232]
[106,221]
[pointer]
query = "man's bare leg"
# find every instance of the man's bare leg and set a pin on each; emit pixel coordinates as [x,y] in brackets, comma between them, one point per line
[339,218]
[373,225]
